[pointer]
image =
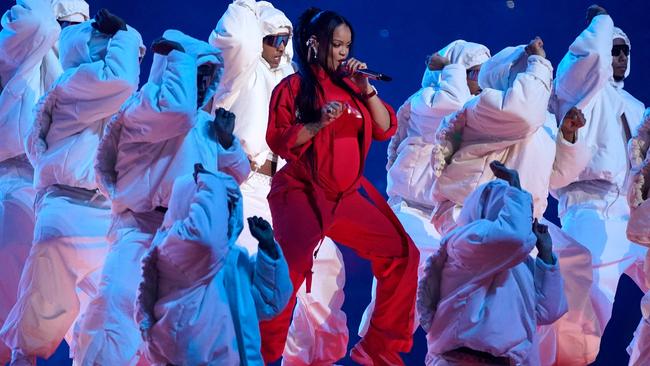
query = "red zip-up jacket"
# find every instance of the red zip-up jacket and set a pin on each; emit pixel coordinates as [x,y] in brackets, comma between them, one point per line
[329,159]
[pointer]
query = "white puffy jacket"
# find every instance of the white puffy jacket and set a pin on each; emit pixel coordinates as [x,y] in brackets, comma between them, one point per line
[29,63]
[507,122]
[585,79]
[100,73]
[410,176]
[248,80]
[29,31]
[489,279]
[194,274]
[159,134]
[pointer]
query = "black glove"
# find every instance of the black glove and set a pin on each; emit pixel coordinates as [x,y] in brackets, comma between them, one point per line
[199,169]
[224,125]
[164,46]
[262,231]
[108,23]
[544,242]
[594,10]
[509,175]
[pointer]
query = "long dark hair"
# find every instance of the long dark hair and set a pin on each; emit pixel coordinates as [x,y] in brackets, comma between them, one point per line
[319,23]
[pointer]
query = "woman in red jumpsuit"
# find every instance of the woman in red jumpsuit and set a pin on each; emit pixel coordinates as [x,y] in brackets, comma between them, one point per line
[322,122]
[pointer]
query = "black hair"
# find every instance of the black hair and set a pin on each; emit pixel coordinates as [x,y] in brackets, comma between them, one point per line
[319,23]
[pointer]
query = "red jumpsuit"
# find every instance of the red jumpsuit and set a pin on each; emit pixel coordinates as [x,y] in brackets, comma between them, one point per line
[317,194]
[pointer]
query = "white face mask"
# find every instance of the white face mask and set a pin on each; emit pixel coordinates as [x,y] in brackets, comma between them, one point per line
[430,78]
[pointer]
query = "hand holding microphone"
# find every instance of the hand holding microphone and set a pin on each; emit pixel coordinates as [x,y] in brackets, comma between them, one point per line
[356,68]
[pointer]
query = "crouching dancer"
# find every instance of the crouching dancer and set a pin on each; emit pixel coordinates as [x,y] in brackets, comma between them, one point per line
[482,294]
[202,295]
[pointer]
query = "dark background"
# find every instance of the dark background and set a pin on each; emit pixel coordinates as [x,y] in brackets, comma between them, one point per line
[394,37]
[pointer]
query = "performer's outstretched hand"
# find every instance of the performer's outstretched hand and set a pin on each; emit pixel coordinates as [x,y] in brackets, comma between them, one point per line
[108,23]
[509,175]
[262,231]
[164,46]
[224,125]
[544,242]
[573,121]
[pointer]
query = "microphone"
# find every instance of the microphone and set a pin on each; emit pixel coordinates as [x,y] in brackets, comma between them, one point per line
[374,75]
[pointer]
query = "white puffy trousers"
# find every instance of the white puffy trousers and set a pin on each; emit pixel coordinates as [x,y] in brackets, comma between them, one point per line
[602,231]
[318,334]
[60,273]
[574,339]
[109,334]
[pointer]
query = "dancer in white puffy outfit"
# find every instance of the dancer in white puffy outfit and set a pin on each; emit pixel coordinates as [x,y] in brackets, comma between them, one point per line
[448,82]
[158,135]
[220,283]
[638,229]
[592,207]
[445,89]
[28,66]
[256,43]
[509,122]
[101,70]
[483,294]
[502,123]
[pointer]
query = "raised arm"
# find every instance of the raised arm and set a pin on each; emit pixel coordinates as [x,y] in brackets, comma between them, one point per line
[208,215]
[452,92]
[549,287]
[96,90]
[29,31]
[572,154]
[239,37]
[165,107]
[587,66]
[432,104]
[519,110]
[231,157]
[272,287]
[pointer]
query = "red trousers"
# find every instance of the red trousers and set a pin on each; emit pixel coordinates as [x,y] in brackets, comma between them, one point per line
[301,218]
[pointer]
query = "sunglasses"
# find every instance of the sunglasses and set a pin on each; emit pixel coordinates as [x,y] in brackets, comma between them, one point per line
[617,49]
[275,40]
[66,23]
